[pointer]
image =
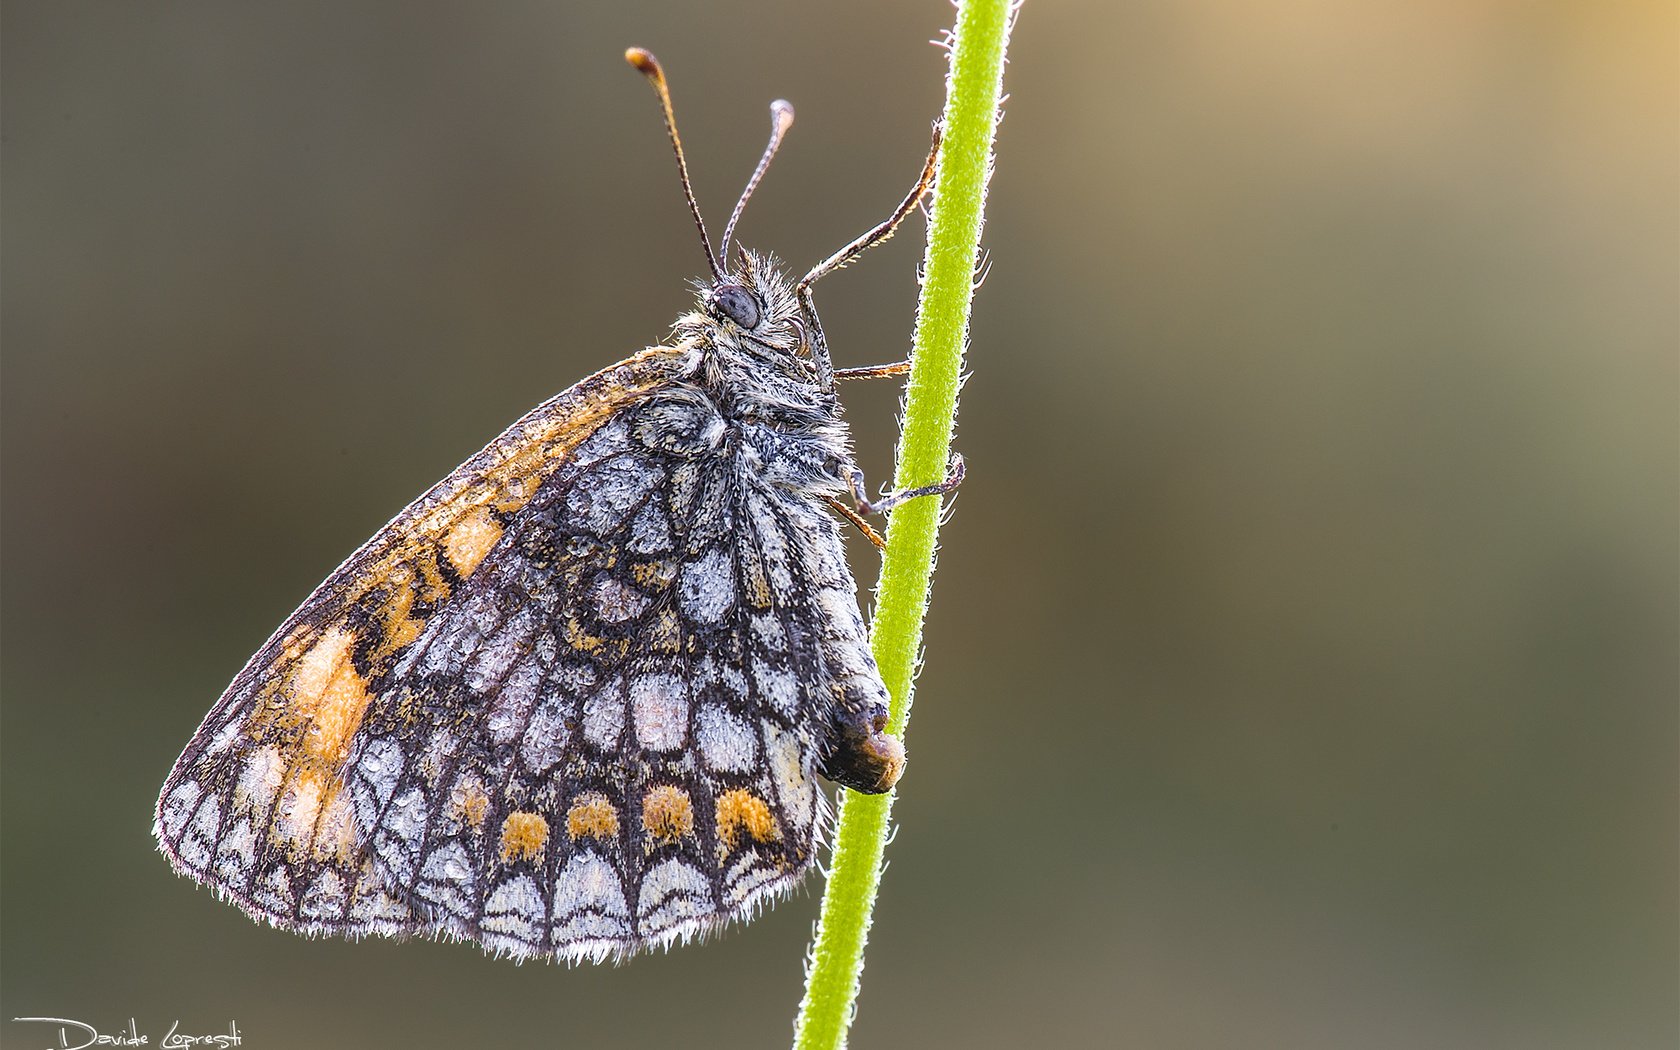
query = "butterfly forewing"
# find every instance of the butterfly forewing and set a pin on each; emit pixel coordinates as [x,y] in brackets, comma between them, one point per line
[570,703]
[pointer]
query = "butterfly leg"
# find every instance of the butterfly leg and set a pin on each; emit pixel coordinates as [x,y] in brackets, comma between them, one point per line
[856,519]
[897,368]
[954,474]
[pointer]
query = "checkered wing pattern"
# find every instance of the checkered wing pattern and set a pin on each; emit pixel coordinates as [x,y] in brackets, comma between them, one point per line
[570,704]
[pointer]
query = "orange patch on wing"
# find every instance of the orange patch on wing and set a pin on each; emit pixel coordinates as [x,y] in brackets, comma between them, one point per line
[470,539]
[327,692]
[325,697]
[592,815]
[739,810]
[667,813]
[523,836]
[469,803]
[399,624]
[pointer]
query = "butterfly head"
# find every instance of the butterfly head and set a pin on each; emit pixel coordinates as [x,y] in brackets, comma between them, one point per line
[753,306]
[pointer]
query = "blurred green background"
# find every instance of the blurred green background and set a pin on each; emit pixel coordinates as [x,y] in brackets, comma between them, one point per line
[1302,664]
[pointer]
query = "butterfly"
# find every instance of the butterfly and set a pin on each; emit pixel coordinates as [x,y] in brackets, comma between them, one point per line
[572,703]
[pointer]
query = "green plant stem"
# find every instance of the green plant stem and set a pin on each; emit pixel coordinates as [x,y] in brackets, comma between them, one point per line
[970,121]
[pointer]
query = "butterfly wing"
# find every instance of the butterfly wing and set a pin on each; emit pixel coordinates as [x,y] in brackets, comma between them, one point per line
[571,703]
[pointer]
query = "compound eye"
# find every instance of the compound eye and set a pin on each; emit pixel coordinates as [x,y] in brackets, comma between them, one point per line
[737,304]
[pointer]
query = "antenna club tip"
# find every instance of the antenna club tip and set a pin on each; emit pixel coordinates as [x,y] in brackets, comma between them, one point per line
[781,111]
[644,61]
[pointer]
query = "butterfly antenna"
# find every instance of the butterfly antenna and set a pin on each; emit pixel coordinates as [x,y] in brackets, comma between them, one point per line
[650,68]
[781,118]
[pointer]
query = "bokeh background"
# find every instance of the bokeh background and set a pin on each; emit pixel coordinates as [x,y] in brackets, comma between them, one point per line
[1302,664]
